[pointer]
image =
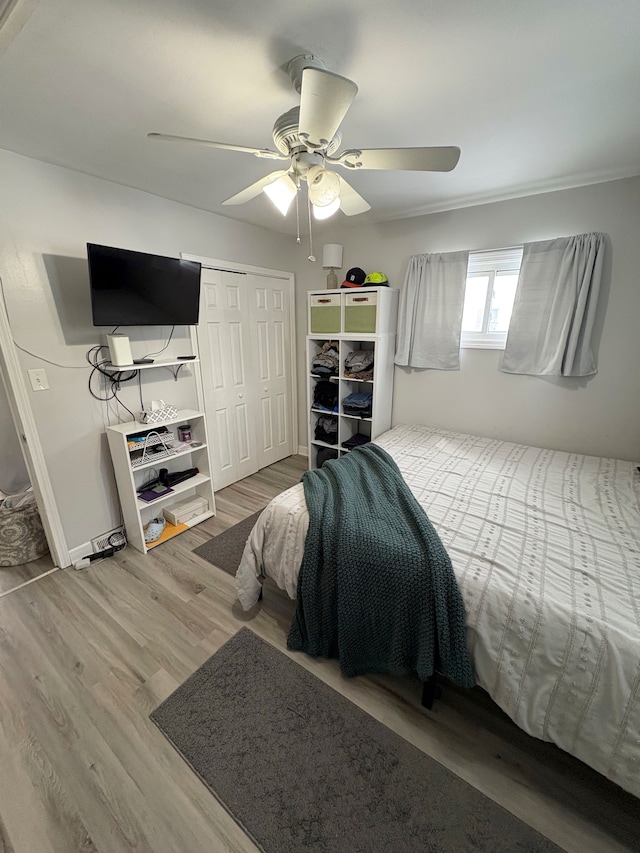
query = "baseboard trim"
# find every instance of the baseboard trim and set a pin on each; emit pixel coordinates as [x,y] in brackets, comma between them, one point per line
[81,551]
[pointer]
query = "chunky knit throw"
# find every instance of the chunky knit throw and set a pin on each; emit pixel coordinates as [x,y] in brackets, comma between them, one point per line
[376,588]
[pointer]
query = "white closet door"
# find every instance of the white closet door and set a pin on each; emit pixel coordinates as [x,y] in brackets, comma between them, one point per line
[245,346]
[269,319]
[228,372]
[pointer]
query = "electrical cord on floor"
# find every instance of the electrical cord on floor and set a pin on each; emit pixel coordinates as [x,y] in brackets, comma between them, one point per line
[116,542]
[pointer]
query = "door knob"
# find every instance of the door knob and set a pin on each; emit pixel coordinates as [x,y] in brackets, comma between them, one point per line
[241,396]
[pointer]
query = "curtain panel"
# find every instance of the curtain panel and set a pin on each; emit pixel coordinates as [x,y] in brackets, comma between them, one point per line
[555,307]
[430,314]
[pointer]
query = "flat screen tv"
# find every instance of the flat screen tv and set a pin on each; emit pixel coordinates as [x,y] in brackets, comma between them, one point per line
[136,289]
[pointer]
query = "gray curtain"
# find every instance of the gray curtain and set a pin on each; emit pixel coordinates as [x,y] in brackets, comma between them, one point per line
[555,307]
[430,316]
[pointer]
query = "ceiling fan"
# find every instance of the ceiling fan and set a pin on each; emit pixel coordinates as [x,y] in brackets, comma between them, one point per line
[308,137]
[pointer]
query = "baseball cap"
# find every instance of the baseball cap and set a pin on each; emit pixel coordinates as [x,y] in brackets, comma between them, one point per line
[355,277]
[376,278]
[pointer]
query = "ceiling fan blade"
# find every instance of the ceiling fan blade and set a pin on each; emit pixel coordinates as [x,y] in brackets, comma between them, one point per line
[442,159]
[351,202]
[325,98]
[255,189]
[257,152]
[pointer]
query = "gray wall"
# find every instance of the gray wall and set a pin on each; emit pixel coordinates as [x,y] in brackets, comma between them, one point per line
[13,471]
[47,215]
[599,415]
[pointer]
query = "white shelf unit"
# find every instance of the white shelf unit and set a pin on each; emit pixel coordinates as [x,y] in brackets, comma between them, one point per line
[358,319]
[167,362]
[131,476]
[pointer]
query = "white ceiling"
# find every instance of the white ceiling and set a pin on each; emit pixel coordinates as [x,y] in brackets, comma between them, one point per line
[538,94]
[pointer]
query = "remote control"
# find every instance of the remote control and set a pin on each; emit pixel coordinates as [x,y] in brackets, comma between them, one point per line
[143,361]
[185,357]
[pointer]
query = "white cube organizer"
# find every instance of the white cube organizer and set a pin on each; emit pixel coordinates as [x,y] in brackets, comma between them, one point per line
[352,319]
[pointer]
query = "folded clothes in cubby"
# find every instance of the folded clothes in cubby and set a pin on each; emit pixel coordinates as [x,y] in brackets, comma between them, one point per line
[359,403]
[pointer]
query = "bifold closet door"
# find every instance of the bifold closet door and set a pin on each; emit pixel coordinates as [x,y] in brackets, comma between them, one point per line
[269,319]
[244,348]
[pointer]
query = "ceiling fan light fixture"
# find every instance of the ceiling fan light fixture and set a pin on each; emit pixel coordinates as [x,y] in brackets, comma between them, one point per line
[308,136]
[281,192]
[326,211]
[324,186]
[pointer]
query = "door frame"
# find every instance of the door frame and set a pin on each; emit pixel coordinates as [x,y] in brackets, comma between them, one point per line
[29,439]
[288,279]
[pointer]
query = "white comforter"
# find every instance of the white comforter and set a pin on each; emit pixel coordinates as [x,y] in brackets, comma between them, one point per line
[546,549]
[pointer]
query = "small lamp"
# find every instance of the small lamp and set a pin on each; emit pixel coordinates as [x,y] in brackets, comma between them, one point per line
[332,260]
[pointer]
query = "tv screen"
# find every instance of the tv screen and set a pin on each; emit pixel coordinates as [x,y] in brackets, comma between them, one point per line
[136,289]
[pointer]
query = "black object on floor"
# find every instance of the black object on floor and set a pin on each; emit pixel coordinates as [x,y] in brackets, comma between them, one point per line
[301,768]
[225,549]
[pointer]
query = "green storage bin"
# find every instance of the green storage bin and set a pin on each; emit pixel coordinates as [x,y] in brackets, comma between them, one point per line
[325,314]
[360,313]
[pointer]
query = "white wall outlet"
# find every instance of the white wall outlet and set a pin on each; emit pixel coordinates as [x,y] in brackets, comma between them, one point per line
[39,381]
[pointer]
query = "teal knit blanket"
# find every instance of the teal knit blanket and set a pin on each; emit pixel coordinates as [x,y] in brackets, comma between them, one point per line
[376,588]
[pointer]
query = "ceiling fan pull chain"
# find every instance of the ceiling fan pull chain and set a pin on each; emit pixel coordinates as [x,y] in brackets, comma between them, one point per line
[298,217]
[311,257]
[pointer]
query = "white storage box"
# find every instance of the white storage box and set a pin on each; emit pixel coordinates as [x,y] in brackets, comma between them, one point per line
[183,511]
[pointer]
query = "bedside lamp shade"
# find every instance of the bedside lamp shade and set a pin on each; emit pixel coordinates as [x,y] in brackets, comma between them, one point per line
[332,260]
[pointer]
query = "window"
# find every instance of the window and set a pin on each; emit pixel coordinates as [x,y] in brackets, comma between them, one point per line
[492,278]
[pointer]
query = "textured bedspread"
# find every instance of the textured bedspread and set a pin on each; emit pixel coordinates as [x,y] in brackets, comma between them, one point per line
[546,550]
[381,597]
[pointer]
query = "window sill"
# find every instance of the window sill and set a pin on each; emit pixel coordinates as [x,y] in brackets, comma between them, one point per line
[495,340]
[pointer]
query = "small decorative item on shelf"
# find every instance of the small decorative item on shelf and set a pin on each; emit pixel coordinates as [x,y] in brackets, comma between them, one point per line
[158,412]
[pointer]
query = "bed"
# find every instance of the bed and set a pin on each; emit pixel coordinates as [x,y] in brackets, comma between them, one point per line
[545,547]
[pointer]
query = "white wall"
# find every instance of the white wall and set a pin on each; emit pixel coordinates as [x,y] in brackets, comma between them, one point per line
[47,215]
[599,415]
[13,471]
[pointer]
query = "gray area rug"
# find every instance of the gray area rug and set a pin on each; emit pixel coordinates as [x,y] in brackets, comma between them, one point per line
[225,549]
[304,770]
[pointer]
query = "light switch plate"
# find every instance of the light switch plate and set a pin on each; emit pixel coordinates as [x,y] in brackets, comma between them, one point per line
[39,381]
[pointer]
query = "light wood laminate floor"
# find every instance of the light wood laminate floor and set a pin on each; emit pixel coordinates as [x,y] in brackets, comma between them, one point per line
[85,656]
[14,576]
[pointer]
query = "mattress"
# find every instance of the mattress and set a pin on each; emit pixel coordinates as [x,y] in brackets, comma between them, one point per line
[545,546]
